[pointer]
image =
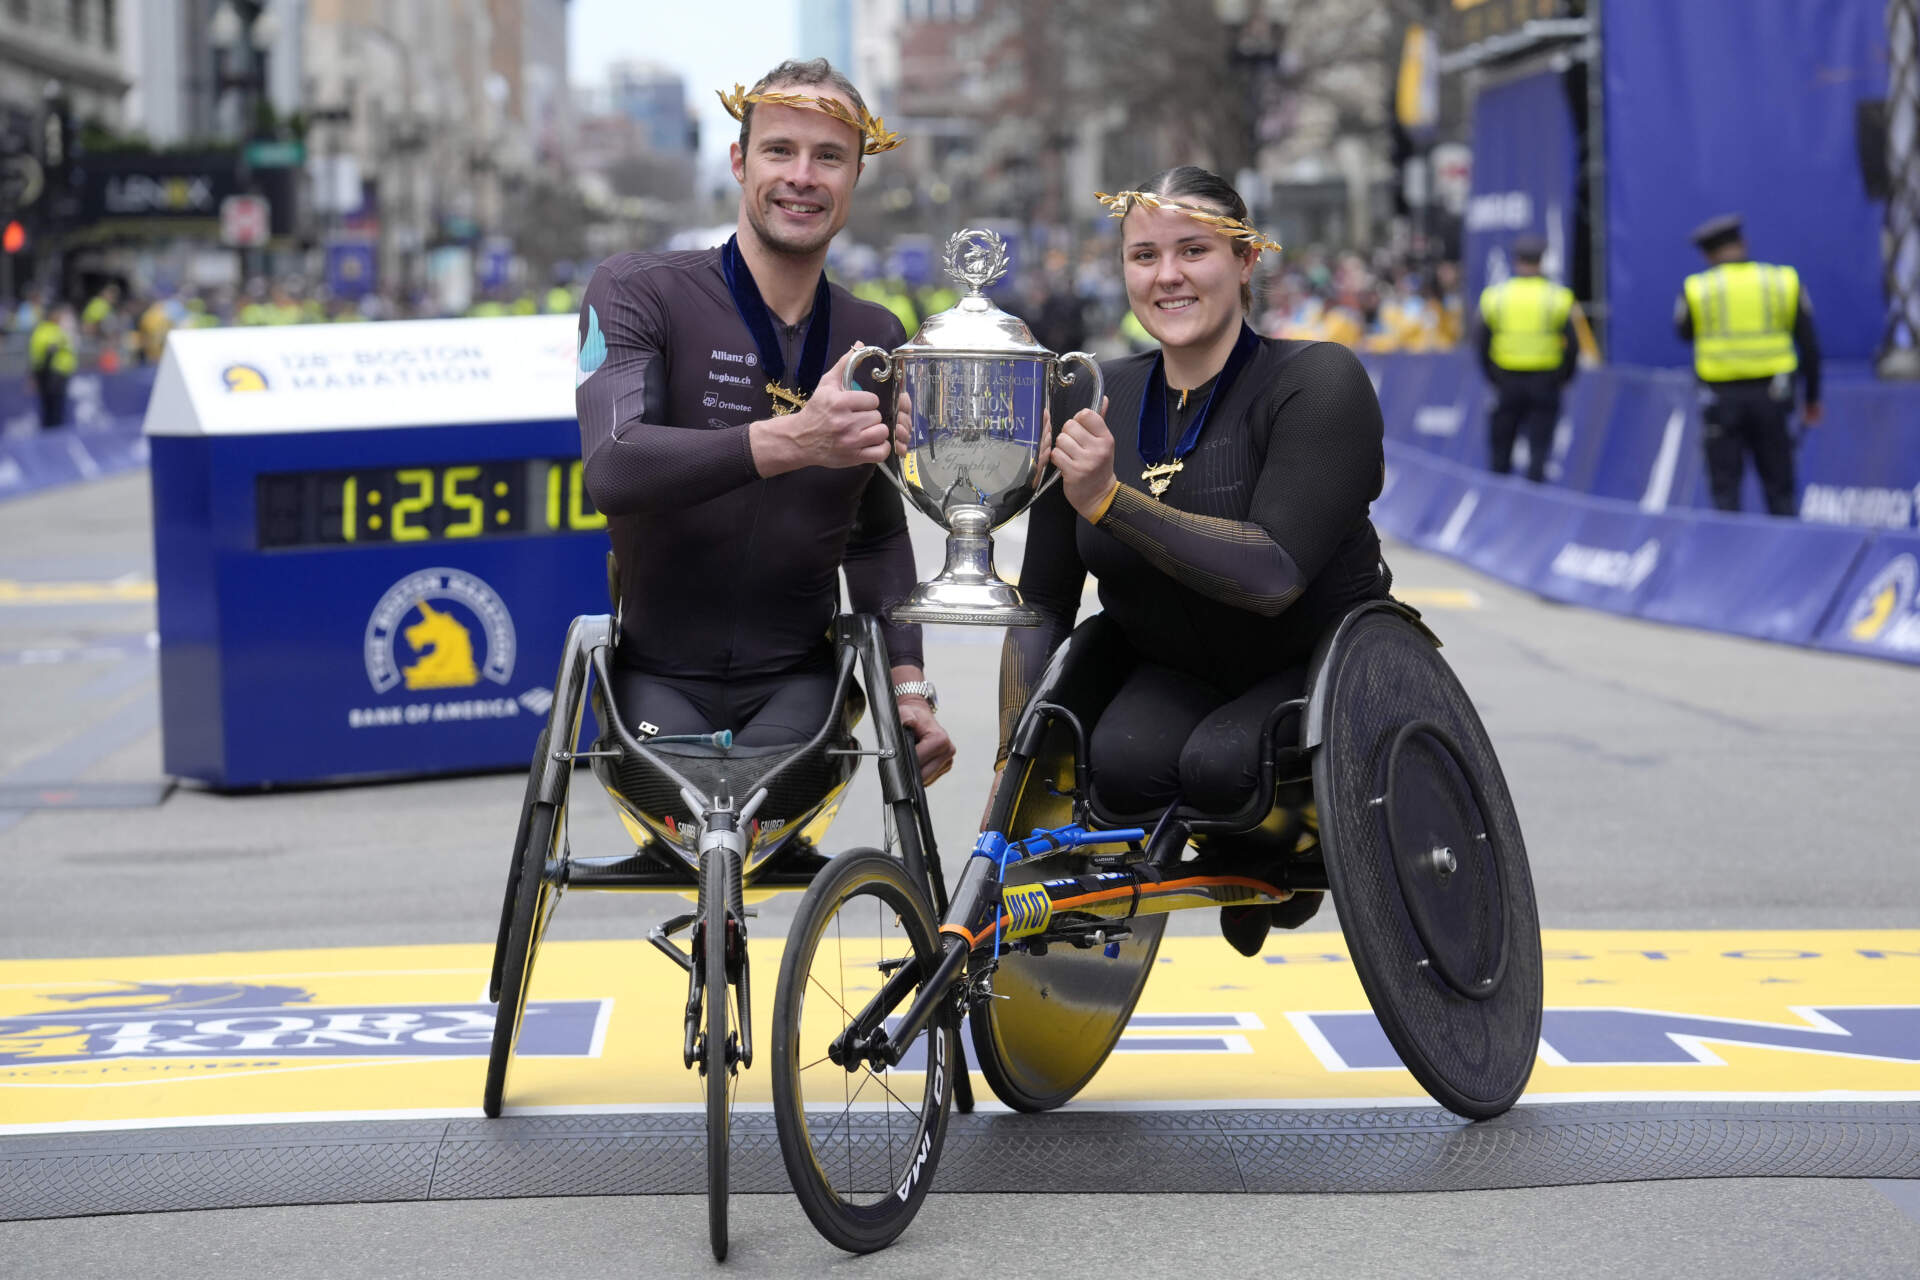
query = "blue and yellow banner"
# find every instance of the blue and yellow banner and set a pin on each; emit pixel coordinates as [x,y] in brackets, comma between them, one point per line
[391,1031]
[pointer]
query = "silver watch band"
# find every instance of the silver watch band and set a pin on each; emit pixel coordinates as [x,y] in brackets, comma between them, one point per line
[918,688]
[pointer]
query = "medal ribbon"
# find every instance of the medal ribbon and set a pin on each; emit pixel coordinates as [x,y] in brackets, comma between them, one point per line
[1153,405]
[759,321]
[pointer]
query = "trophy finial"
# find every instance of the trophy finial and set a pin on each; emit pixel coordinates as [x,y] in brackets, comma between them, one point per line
[976,258]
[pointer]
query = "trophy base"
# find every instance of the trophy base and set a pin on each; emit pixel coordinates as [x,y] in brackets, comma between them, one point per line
[991,603]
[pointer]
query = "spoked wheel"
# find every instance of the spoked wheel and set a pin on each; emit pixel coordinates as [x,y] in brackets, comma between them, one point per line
[717,1055]
[534,900]
[860,1145]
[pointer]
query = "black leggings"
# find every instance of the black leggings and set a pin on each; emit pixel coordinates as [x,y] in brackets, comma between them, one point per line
[768,711]
[1167,735]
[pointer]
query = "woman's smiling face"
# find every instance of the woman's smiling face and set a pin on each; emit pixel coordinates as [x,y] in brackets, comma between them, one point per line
[1183,277]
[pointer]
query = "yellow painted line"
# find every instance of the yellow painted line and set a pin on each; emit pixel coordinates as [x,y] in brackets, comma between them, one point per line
[13,592]
[1439,597]
[1631,1015]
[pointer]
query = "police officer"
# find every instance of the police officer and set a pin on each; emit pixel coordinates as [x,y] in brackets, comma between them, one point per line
[1751,327]
[1528,353]
[51,357]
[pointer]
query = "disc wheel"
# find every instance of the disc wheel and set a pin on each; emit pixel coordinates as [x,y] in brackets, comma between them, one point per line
[1065,1011]
[1427,866]
[1061,1018]
[717,1057]
[533,903]
[860,1145]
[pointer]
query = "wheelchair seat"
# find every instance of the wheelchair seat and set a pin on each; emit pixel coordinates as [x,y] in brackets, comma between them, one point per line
[811,776]
[1081,679]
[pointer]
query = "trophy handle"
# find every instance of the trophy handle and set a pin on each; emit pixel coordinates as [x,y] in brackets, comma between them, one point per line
[891,467]
[1065,377]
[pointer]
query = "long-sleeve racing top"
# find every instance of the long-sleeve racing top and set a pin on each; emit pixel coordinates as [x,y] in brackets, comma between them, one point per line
[722,572]
[1259,544]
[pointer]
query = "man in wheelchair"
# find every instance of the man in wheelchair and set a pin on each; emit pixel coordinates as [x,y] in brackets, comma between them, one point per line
[736,474]
[1234,535]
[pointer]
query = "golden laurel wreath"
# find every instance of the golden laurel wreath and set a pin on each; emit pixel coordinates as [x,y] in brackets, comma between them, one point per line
[1231,227]
[875,135]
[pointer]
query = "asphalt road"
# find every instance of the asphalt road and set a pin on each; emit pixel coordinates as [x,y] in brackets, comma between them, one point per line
[1665,779]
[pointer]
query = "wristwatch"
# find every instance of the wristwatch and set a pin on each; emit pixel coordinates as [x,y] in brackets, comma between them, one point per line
[919,689]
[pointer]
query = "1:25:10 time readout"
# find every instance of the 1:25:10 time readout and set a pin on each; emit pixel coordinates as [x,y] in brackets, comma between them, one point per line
[423,504]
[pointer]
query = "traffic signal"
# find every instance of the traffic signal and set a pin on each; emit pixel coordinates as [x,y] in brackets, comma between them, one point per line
[14,238]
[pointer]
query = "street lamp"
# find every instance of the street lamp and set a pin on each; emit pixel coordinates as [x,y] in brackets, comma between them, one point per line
[243,32]
[1257,28]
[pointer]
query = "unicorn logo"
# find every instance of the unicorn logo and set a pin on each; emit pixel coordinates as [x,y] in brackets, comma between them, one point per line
[446,652]
[593,348]
[1883,599]
[243,377]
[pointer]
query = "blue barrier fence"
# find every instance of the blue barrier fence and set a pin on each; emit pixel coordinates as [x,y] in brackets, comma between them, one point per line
[1849,589]
[1634,434]
[101,436]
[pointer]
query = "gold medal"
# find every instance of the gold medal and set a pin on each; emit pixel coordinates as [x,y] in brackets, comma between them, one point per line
[1159,477]
[785,400]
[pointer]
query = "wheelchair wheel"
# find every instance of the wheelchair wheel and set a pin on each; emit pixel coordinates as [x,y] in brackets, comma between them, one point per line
[1427,866]
[860,1146]
[717,1057]
[1065,1010]
[513,864]
[534,900]
[1062,1016]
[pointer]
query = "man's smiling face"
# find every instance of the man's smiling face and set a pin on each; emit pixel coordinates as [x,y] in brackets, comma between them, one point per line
[797,173]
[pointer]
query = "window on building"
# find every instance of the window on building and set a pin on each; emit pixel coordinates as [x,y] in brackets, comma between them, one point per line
[110,23]
[77,19]
[17,10]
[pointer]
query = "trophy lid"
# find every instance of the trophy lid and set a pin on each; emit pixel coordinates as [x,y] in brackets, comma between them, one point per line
[976,258]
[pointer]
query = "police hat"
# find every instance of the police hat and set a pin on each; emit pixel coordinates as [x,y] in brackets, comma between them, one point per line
[1529,249]
[1717,232]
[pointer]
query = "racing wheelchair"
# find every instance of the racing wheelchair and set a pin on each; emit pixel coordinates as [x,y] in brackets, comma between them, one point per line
[1379,786]
[709,819]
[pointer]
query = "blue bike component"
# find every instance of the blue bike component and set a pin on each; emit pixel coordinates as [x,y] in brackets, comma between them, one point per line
[994,847]
[1004,853]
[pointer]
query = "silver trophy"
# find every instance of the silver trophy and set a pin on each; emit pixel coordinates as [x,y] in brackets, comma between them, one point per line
[978,386]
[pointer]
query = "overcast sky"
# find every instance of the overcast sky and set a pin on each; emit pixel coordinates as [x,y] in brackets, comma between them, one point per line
[712,43]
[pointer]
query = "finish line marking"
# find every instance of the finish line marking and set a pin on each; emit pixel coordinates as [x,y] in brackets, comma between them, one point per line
[115,591]
[402,1032]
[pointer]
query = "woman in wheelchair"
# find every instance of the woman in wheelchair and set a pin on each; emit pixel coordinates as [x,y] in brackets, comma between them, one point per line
[1220,500]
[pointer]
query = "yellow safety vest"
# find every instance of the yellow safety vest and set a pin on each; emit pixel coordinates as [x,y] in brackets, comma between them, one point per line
[1527,316]
[1743,314]
[49,348]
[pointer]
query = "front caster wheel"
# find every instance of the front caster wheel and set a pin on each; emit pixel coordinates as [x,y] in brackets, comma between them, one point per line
[860,1145]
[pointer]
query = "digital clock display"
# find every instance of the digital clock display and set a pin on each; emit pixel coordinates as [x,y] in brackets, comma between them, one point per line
[444,502]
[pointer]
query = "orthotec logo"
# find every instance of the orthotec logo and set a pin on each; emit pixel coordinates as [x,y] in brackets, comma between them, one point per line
[162,1022]
[423,632]
[243,377]
[1882,614]
[1605,568]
